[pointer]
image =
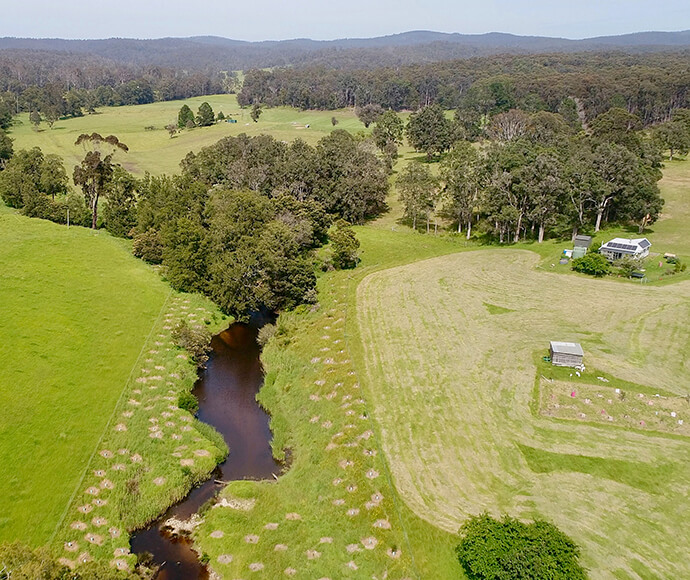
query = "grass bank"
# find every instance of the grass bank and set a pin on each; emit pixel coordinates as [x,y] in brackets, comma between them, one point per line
[92,443]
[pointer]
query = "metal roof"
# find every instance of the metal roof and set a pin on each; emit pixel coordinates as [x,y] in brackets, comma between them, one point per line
[583,241]
[567,348]
[627,246]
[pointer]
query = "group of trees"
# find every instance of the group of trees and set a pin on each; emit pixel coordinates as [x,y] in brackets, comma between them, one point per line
[648,85]
[239,224]
[205,117]
[537,176]
[38,185]
[342,173]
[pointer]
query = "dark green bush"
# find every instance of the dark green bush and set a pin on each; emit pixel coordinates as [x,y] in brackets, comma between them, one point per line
[148,246]
[188,402]
[592,264]
[196,341]
[509,549]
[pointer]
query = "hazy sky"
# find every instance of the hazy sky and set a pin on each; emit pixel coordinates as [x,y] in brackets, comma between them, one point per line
[321,19]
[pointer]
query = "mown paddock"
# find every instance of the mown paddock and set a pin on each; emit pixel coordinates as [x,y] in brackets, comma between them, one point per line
[154,151]
[453,387]
[76,310]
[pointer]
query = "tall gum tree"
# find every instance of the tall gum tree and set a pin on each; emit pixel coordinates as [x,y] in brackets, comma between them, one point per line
[95,171]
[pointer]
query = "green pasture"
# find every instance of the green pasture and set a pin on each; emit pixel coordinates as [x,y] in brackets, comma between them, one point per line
[76,311]
[153,150]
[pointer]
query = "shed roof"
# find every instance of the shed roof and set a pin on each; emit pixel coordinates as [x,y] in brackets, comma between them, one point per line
[567,348]
[583,241]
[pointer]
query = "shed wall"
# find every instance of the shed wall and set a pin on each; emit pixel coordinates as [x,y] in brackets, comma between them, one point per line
[562,359]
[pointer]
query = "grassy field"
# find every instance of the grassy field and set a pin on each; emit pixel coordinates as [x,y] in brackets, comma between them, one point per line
[154,151]
[92,443]
[76,310]
[449,350]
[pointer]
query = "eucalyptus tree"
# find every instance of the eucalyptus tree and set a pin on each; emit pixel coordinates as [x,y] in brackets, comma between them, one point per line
[463,177]
[95,172]
[418,189]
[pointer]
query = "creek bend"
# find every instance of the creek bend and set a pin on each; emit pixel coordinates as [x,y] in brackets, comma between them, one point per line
[226,390]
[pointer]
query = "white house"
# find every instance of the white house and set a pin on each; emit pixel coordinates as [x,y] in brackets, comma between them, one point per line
[618,248]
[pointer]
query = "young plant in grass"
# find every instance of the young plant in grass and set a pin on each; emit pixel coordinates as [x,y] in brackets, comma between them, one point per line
[195,340]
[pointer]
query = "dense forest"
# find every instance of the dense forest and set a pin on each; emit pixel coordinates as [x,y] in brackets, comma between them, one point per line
[212,53]
[60,85]
[648,85]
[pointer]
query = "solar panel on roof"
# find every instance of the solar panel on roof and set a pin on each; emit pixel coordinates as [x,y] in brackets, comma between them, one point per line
[645,243]
[628,247]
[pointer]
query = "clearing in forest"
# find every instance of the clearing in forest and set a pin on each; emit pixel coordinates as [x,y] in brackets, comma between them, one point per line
[452,349]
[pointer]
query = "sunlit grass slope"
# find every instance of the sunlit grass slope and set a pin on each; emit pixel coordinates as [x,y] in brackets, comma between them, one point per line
[75,310]
[154,151]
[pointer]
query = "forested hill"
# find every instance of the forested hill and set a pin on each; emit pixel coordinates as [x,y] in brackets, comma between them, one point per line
[209,52]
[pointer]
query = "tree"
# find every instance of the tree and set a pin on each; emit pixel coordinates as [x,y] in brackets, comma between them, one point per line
[171,129]
[95,172]
[184,117]
[429,131]
[507,126]
[256,112]
[205,117]
[334,121]
[418,190]
[35,118]
[672,136]
[119,214]
[344,245]
[544,178]
[6,149]
[388,133]
[369,114]
[620,127]
[461,172]
[506,549]
[220,116]
[616,174]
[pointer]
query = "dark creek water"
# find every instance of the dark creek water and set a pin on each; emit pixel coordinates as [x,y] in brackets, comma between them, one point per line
[226,390]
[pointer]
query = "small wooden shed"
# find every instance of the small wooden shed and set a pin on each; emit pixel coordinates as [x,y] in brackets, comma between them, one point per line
[566,354]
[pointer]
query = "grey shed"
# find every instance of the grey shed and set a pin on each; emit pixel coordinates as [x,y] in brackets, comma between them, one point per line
[582,241]
[566,354]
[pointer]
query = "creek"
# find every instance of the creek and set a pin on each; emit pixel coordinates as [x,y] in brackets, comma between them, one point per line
[226,391]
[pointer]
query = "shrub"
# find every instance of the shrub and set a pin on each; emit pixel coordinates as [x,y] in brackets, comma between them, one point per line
[148,246]
[627,266]
[592,264]
[345,246]
[188,402]
[266,332]
[507,549]
[196,341]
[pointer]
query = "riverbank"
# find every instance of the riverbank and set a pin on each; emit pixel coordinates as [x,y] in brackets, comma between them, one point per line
[335,513]
[151,452]
[226,391]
